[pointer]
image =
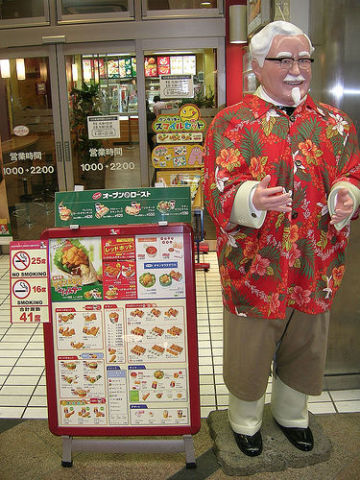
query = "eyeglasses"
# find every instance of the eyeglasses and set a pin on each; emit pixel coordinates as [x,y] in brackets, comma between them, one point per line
[286,63]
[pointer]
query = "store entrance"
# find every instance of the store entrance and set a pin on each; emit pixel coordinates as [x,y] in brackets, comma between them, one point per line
[69,118]
[75,116]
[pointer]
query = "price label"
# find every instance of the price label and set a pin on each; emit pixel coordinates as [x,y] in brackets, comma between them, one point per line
[30,315]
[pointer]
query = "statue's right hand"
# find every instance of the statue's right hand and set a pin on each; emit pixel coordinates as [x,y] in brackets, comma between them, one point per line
[273,198]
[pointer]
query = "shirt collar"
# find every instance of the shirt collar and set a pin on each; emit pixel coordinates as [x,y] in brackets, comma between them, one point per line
[260,92]
[260,106]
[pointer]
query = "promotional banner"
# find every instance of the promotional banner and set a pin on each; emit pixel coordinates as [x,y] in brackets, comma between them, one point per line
[123,206]
[177,156]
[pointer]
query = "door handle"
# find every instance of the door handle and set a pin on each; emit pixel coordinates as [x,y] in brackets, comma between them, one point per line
[59,152]
[67,151]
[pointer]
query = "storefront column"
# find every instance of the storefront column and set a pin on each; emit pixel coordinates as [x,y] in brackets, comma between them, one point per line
[234,61]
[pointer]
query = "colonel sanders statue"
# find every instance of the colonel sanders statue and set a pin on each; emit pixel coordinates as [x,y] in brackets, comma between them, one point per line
[281,182]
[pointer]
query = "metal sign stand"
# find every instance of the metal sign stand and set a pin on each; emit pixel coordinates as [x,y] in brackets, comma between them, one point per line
[71,444]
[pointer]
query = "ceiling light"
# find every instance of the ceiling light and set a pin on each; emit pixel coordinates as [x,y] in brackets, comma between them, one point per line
[20,69]
[5,68]
[75,75]
[238,24]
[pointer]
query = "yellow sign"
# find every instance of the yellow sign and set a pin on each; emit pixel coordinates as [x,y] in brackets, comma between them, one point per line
[184,178]
[188,120]
[177,156]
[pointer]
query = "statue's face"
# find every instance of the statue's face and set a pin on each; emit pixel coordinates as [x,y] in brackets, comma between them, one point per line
[284,84]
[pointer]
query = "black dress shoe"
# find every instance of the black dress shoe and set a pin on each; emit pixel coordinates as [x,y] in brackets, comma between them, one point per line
[301,438]
[251,445]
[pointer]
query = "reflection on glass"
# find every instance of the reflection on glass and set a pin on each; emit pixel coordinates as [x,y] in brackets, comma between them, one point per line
[27,134]
[102,93]
[180,4]
[78,7]
[21,9]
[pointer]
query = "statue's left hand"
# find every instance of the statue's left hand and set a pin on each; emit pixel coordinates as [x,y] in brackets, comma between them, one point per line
[344,206]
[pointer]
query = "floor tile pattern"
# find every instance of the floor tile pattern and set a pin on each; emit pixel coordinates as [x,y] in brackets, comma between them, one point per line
[22,366]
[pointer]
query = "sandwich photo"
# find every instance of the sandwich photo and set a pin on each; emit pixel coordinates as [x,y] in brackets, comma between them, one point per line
[72,259]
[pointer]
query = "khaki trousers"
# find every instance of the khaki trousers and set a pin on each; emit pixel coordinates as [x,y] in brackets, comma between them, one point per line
[296,344]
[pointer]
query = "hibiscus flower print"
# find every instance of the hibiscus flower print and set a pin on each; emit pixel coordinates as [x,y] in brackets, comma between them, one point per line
[250,249]
[337,275]
[337,124]
[260,265]
[300,296]
[294,255]
[229,158]
[256,167]
[274,303]
[310,151]
[224,274]
[294,233]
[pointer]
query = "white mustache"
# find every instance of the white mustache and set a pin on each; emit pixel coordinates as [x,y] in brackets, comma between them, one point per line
[294,78]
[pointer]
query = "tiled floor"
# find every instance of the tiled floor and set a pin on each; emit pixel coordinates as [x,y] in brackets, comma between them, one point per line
[22,372]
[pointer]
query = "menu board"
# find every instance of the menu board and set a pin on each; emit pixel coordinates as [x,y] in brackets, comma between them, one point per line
[122,353]
[163,65]
[150,65]
[113,68]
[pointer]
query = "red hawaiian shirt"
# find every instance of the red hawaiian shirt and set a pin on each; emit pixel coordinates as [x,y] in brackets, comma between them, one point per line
[295,259]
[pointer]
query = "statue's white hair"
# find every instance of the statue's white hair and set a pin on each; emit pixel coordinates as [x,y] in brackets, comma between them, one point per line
[261,42]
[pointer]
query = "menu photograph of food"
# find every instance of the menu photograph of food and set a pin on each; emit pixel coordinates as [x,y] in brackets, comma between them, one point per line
[151,69]
[120,357]
[157,333]
[113,68]
[147,385]
[128,365]
[76,269]
[142,415]
[163,65]
[78,330]
[115,338]
[160,265]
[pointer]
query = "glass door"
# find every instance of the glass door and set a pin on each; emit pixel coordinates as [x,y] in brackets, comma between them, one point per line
[68,117]
[103,121]
[32,169]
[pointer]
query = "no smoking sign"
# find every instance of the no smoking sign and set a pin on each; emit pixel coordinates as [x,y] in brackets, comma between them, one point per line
[21,261]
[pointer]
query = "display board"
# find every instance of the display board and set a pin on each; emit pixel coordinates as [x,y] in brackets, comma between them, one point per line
[121,346]
[122,206]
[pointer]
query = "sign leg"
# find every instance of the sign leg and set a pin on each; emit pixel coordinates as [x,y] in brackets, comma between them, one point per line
[189,451]
[67,448]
